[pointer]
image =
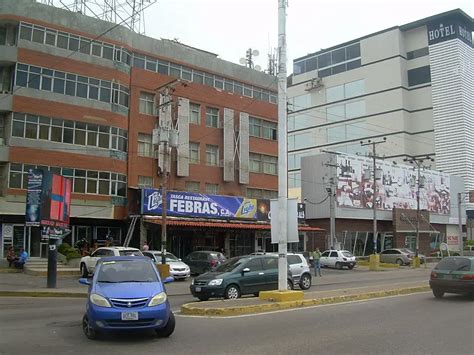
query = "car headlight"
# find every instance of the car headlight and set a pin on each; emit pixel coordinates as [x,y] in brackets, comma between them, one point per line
[215,282]
[99,300]
[158,299]
[192,282]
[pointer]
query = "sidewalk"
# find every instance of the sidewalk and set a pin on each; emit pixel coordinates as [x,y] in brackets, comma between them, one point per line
[16,284]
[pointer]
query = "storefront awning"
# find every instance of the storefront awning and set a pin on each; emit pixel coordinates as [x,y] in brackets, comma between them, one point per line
[224,225]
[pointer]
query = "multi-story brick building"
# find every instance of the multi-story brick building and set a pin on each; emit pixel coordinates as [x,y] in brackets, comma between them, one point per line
[77,97]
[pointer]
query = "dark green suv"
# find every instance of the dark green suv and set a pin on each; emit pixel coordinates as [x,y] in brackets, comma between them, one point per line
[239,276]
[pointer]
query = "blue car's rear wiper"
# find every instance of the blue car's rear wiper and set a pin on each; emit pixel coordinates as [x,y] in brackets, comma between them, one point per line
[108,282]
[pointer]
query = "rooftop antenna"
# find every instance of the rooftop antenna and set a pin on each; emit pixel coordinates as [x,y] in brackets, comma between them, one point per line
[248,60]
[129,13]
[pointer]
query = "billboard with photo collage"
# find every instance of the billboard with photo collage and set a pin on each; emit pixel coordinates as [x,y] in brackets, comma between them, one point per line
[397,186]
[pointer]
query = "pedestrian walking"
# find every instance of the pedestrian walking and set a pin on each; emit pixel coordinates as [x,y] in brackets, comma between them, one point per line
[145,247]
[11,257]
[316,261]
[22,260]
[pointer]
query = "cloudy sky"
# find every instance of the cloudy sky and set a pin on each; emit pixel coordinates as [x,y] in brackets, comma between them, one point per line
[229,27]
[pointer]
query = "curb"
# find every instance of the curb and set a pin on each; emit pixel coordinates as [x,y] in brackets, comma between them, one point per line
[192,309]
[42,294]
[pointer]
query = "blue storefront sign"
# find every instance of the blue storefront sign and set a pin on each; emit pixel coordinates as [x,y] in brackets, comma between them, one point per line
[187,204]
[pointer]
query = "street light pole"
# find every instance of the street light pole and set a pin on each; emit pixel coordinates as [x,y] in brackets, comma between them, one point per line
[164,186]
[374,195]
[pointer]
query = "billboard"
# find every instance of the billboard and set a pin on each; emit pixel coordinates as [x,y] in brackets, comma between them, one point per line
[396,188]
[55,200]
[33,198]
[188,204]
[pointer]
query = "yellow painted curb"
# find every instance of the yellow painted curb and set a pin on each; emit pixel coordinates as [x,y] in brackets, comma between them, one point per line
[281,296]
[196,310]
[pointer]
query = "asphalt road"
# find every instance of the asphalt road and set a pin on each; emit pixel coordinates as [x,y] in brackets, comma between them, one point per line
[414,324]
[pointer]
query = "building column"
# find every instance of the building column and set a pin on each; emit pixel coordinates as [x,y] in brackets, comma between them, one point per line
[227,244]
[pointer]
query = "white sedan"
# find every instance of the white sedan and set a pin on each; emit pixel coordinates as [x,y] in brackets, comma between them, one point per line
[178,269]
[89,262]
[338,259]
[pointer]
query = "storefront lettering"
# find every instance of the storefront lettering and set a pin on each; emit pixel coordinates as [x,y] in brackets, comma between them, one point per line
[198,207]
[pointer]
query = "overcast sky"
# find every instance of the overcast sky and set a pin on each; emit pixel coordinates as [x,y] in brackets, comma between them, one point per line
[229,27]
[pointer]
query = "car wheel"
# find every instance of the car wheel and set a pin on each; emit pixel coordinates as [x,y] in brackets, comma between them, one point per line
[168,329]
[289,285]
[232,292]
[89,332]
[438,293]
[338,266]
[203,298]
[350,267]
[399,262]
[305,282]
[84,272]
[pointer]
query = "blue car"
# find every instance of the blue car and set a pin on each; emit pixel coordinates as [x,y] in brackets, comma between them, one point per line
[126,293]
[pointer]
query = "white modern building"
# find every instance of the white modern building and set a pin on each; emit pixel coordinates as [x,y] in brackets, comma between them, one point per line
[413,84]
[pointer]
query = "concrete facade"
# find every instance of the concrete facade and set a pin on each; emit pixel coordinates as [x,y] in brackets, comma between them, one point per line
[401,83]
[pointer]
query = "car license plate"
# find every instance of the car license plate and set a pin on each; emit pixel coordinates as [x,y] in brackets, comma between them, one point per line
[129,315]
[198,289]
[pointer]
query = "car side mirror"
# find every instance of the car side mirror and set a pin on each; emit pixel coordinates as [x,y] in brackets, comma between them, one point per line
[84,281]
[244,270]
[168,280]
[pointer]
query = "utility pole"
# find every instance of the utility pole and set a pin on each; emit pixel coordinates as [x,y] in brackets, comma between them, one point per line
[461,244]
[374,197]
[331,190]
[282,149]
[166,138]
[419,164]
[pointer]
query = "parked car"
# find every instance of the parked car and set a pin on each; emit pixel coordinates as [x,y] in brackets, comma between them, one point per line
[178,269]
[127,293]
[400,256]
[89,262]
[338,259]
[203,261]
[299,269]
[239,276]
[453,274]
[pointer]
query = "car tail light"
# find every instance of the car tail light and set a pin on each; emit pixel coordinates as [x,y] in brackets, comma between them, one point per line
[434,275]
[468,277]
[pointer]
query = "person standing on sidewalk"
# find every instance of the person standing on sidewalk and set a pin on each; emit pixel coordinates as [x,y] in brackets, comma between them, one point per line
[316,260]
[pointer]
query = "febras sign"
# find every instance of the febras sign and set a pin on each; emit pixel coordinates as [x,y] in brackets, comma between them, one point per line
[186,204]
[449,28]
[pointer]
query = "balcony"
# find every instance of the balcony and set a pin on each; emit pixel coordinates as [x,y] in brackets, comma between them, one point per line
[6,101]
[8,54]
[4,151]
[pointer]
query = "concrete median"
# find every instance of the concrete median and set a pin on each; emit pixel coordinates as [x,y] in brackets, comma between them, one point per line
[254,305]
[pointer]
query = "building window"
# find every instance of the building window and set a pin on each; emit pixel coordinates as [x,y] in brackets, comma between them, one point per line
[345,91]
[294,180]
[145,147]
[195,113]
[71,84]
[261,163]
[300,102]
[192,186]
[212,189]
[74,43]
[212,155]
[261,193]
[194,153]
[70,132]
[417,53]
[419,76]
[145,181]
[84,181]
[212,117]
[262,128]
[147,103]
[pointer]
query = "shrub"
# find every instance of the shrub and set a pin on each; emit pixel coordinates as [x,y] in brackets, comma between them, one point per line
[68,251]
[470,242]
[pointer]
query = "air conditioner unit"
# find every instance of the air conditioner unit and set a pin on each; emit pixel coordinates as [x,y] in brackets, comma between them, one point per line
[313,84]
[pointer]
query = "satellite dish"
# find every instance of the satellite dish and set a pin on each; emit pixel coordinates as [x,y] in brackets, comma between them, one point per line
[243,61]
[258,67]
[255,52]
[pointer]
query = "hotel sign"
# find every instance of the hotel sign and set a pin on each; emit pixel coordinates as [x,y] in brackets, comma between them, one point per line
[449,28]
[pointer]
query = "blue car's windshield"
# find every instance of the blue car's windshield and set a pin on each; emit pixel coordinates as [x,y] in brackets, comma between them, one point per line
[126,271]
